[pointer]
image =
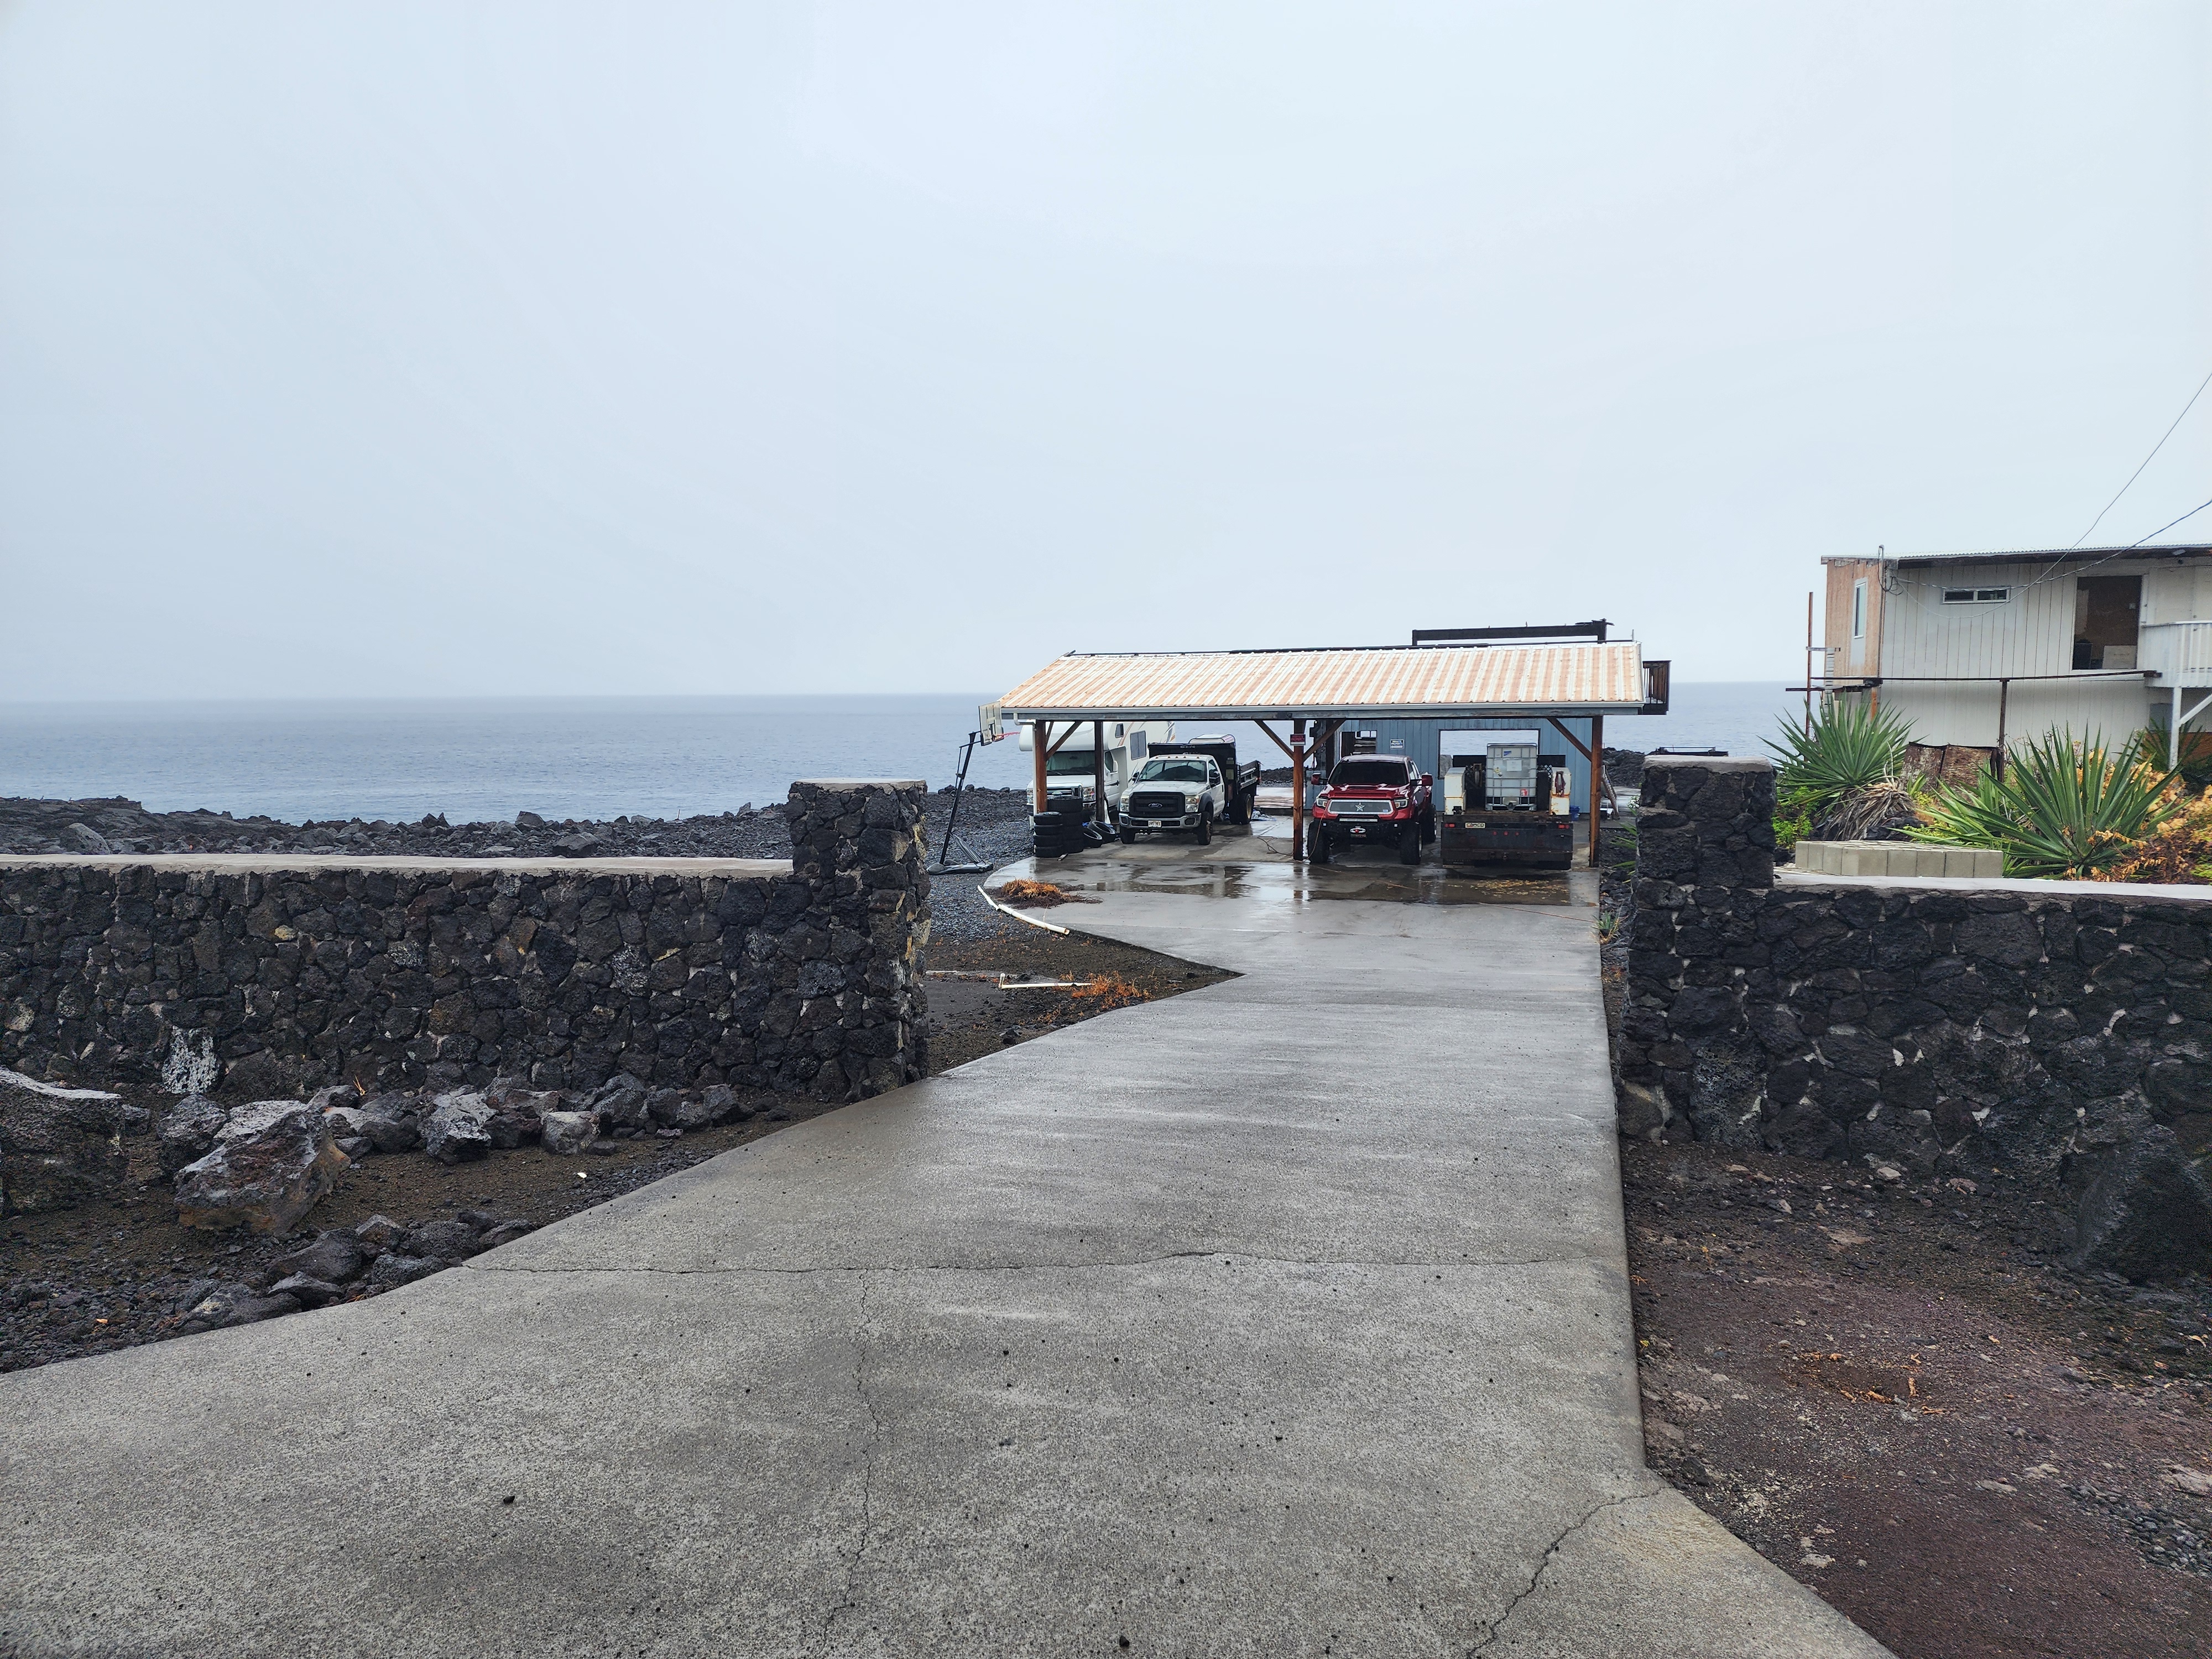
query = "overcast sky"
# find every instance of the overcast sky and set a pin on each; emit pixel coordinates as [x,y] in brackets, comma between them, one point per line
[457,349]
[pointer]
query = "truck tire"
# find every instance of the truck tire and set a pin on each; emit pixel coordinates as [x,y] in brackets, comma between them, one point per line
[1205,832]
[1317,848]
[1128,836]
[1409,844]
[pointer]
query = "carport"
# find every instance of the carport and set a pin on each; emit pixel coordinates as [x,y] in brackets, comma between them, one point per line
[1315,695]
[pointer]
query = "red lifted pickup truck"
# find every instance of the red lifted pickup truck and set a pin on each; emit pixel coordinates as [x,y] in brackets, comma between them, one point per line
[1373,798]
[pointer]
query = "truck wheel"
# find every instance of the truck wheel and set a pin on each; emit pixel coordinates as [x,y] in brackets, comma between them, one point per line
[1409,844]
[1128,836]
[1317,847]
[1204,826]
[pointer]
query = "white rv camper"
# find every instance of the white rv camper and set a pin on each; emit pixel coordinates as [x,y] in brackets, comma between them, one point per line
[1071,767]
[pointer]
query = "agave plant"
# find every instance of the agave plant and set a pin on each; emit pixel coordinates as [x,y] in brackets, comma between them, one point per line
[2065,809]
[1849,748]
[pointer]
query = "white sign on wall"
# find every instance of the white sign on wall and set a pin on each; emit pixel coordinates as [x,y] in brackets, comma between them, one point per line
[991,722]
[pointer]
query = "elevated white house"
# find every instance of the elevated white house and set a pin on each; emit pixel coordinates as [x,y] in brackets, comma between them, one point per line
[1984,651]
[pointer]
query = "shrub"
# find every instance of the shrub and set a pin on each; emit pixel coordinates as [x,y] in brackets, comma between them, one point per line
[2178,850]
[1790,829]
[2195,768]
[1838,781]
[2065,809]
[1850,747]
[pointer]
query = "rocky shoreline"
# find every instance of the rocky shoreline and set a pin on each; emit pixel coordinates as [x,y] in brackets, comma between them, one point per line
[122,826]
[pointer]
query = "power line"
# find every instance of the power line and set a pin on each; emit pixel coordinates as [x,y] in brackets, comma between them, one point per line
[2147,460]
[2163,528]
[2118,552]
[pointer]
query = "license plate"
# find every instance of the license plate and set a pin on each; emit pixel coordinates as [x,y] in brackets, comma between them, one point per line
[1358,829]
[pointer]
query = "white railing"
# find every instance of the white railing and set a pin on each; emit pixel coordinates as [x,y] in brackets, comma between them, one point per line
[2178,653]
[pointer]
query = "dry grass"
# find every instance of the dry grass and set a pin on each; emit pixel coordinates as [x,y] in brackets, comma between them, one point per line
[2178,850]
[1112,990]
[1036,895]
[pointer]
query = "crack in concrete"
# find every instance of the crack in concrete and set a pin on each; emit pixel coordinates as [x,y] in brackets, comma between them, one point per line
[1544,1565]
[1049,1267]
[852,1598]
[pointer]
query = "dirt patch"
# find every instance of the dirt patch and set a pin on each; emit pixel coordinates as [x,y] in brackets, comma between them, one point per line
[1885,1389]
[971,1018]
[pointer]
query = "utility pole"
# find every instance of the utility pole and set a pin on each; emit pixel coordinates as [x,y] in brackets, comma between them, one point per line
[1808,665]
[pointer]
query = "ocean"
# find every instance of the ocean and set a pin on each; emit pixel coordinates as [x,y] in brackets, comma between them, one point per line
[483,760]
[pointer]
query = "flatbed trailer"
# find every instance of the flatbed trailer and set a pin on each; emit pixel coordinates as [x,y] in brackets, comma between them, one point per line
[1507,807]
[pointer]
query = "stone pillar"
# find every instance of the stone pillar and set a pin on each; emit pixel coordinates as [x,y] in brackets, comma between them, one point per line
[1704,867]
[856,1001]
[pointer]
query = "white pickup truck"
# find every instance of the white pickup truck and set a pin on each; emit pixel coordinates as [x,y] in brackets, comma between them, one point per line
[1175,792]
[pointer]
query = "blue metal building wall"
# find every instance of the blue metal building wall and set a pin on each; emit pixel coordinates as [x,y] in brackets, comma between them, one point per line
[1419,738]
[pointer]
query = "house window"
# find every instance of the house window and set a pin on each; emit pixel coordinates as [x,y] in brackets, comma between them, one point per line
[2106,610]
[1858,611]
[1976,595]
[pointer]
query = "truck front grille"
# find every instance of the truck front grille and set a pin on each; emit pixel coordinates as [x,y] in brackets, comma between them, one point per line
[1352,809]
[1154,803]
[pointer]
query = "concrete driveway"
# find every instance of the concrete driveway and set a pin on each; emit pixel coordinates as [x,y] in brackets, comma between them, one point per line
[1286,1316]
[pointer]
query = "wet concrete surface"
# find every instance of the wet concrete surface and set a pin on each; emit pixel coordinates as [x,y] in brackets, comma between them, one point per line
[1257,865]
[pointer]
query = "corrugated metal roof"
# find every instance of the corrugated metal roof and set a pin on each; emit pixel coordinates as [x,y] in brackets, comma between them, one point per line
[1406,680]
[2023,555]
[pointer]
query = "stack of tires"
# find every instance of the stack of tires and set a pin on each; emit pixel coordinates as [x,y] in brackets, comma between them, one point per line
[1056,835]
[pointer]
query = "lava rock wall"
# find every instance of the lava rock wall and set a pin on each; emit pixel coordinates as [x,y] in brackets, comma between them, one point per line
[2062,1035]
[265,981]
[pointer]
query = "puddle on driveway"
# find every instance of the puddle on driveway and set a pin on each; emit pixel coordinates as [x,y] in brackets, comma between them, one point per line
[1287,883]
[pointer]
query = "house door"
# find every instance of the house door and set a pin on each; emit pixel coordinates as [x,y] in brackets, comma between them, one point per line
[2106,610]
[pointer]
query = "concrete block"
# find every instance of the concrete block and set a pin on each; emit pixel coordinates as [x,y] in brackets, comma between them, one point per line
[1898,858]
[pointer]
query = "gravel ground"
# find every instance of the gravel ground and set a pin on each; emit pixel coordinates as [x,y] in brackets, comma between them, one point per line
[1896,1393]
[972,1017]
[993,830]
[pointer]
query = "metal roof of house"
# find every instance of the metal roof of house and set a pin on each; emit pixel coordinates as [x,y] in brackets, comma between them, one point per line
[2027,555]
[1402,681]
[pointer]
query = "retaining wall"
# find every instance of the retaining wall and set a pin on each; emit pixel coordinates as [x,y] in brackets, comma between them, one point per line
[263,975]
[2059,1031]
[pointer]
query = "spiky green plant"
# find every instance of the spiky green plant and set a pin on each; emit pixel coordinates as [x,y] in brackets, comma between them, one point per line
[2065,809]
[1849,748]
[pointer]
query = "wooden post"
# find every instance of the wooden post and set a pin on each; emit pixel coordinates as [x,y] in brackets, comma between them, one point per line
[1297,791]
[1597,771]
[1038,731]
[1099,771]
[2004,692]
